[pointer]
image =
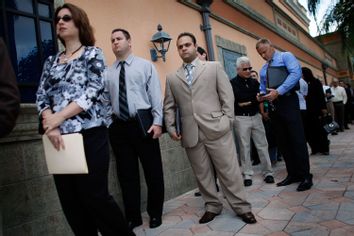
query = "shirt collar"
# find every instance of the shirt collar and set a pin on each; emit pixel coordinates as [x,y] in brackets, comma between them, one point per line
[194,63]
[128,61]
[275,54]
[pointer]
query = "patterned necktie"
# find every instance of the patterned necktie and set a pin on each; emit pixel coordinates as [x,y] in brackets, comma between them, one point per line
[123,103]
[189,76]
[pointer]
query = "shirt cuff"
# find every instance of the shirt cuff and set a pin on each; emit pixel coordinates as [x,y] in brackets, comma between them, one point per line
[157,121]
[280,90]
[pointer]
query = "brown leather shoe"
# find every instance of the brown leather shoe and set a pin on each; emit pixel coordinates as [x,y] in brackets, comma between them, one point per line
[207,217]
[248,218]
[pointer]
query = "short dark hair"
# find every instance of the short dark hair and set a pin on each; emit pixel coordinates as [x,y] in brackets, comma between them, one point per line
[81,21]
[307,74]
[254,72]
[189,35]
[125,32]
[263,41]
[202,51]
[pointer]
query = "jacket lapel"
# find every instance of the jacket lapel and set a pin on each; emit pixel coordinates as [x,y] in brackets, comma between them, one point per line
[181,75]
[199,68]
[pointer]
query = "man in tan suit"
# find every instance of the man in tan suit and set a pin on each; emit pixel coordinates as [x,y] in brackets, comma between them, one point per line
[203,94]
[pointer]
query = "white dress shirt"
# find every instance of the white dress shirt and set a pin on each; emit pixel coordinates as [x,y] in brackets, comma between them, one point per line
[302,93]
[339,94]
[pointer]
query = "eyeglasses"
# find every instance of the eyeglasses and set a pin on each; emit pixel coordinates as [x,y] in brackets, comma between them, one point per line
[65,18]
[248,68]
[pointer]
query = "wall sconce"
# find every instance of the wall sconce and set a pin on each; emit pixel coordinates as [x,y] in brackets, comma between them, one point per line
[161,41]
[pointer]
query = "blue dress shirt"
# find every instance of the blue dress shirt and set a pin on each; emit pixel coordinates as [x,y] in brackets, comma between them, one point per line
[293,66]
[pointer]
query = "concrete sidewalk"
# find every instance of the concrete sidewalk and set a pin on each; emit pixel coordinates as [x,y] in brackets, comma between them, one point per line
[326,209]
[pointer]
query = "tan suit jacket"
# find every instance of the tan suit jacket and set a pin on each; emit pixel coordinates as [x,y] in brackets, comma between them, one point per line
[207,105]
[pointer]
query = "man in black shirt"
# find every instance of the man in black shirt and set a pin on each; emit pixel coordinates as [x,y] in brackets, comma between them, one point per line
[248,121]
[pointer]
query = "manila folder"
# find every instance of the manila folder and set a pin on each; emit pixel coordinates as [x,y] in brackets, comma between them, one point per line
[70,160]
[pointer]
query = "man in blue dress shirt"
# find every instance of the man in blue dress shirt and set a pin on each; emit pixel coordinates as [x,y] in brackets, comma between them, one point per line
[285,115]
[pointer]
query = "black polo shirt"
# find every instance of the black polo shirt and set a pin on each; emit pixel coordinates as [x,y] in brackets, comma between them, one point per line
[245,90]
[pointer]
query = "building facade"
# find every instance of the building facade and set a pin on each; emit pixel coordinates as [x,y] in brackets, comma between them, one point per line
[228,28]
[333,42]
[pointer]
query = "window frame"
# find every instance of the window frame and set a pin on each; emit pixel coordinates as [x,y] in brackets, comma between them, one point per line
[5,34]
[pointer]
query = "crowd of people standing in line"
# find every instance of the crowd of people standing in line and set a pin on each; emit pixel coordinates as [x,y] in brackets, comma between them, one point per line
[78,94]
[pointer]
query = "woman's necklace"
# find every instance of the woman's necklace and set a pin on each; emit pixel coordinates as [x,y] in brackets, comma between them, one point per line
[66,58]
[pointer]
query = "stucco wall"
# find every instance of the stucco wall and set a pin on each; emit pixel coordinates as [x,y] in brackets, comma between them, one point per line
[141,18]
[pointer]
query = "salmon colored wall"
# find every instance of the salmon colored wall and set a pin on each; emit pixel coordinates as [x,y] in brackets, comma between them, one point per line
[141,18]
[261,7]
[222,9]
[330,74]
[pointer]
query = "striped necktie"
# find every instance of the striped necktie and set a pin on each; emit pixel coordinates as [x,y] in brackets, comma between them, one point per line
[189,76]
[123,103]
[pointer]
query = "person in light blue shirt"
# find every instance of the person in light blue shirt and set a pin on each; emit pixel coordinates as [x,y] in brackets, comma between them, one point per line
[133,84]
[285,113]
[288,60]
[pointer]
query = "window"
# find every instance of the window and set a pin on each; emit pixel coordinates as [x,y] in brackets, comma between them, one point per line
[28,30]
[230,58]
[228,52]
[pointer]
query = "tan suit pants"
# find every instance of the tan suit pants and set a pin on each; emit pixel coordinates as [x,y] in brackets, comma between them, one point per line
[222,154]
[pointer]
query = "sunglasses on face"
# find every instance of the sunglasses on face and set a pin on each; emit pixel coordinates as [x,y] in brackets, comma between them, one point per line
[65,18]
[248,68]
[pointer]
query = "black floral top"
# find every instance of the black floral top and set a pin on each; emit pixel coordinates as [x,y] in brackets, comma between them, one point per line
[81,81]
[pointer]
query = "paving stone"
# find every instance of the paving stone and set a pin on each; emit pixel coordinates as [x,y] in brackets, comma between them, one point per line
[332,224]
[349,194]
[309,229]
[200,229]
[274,225]
[312,232]
[278,234]
[276,214]
[176,232]
[258,229]
[226,224]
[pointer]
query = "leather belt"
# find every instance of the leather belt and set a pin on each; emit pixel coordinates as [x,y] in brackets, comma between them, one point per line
[115,118]
[246,114]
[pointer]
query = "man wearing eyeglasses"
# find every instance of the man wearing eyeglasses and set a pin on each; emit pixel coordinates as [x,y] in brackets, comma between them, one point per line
[248,122]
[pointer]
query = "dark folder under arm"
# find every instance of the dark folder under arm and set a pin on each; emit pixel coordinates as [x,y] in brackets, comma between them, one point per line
[276,75]
[145,120]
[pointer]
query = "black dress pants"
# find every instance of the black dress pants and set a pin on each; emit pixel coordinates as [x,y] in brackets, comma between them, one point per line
[86,202]
[339,114]
[317,136]
[290,137]
[129,147]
